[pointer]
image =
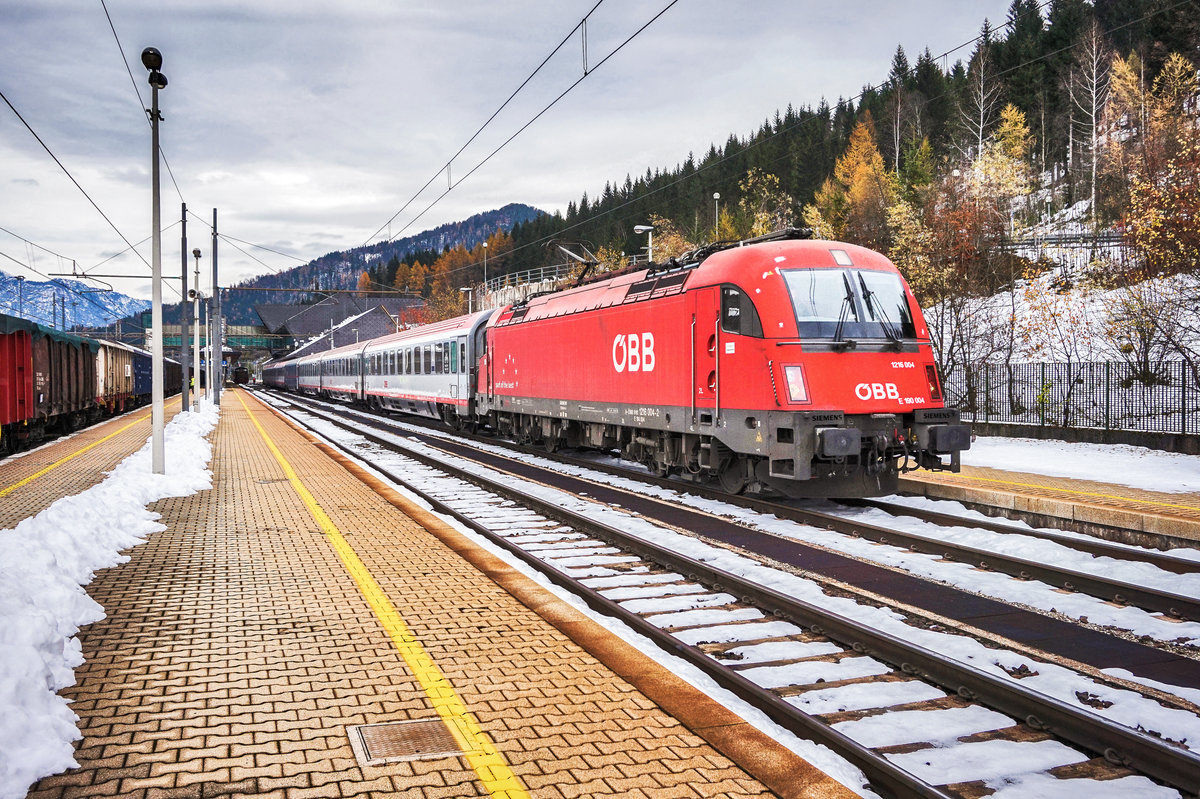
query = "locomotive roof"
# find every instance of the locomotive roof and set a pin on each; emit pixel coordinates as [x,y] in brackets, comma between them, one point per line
[736,265]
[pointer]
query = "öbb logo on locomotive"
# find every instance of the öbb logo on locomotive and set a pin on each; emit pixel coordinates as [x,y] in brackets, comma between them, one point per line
[633,352]
[778,364]
[866,391]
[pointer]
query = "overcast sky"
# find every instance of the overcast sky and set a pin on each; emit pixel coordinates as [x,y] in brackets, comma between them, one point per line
[309,124]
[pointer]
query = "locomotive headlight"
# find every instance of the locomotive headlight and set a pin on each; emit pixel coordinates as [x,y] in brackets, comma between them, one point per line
[935,390]
[797,388]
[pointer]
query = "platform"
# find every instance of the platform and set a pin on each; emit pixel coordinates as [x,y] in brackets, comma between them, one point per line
[1116,512]
[292,604]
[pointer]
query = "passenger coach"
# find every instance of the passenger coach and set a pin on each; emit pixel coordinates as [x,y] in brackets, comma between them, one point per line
[426,370]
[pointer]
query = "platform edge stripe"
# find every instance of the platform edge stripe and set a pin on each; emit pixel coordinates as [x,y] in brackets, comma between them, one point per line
[1078,492]
[26,481]
[485,759]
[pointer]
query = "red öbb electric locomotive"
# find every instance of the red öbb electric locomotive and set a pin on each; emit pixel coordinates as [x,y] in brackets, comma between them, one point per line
[778,363]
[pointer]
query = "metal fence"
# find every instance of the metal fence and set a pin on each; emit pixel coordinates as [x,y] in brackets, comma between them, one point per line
[1112,395]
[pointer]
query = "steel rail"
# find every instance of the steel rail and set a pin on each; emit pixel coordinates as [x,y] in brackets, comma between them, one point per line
[1117,743]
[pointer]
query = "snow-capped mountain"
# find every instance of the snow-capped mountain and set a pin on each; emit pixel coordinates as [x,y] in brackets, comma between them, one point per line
[47,302]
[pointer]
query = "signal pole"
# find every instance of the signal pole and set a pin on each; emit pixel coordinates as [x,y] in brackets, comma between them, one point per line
[218,349]
[185,337]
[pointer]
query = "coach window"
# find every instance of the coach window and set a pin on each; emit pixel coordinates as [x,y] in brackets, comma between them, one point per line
[437,358]
[453,357]
[738,314]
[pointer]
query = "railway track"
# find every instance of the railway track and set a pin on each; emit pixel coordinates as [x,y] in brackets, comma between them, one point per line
[1099,576]
[1091,545]
[914,720]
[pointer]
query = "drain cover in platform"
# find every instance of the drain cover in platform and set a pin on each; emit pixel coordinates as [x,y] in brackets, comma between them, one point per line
[396,741]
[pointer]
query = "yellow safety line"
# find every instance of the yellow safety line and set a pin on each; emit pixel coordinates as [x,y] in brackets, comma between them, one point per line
[1073,491]
[76,454]
[489,765]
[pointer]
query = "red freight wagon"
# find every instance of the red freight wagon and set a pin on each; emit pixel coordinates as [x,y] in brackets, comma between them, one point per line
[803,366]
[16,383]
[47,380]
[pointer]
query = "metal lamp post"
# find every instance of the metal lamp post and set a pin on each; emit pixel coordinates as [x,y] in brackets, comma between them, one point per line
[649,240]
[196,327]
[152,60]
[208,347]
[468,292]
[716,215]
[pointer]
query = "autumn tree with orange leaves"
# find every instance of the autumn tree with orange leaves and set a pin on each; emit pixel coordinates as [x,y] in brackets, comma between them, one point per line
[852,205]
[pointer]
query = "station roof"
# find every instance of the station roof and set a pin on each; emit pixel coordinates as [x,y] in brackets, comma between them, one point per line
[302,321]
[362,327]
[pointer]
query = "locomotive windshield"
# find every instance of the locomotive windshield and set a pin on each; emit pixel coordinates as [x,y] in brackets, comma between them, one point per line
[849,303]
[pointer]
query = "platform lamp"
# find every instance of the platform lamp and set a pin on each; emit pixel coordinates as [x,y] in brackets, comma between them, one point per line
[195,294]
[716,215]
[152,61]
[469,292]
[649,240]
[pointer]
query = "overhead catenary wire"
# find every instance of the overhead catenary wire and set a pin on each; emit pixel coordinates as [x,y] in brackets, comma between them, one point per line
[67,172]
[487,122]
[30,245]
[537,116]
[60,284]
[138,92]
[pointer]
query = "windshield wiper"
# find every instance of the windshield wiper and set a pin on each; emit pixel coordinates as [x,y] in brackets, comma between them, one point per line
[847,303]
[892,334]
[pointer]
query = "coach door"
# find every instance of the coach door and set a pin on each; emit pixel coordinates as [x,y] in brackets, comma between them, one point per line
[706,370]
[483,350]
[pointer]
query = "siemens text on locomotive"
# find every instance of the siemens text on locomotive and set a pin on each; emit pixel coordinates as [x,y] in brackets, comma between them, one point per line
[780,363]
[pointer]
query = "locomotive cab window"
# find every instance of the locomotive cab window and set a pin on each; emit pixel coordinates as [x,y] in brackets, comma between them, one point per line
[849,303]
[738,314]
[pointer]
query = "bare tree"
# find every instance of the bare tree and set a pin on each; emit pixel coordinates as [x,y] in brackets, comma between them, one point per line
[1090,82]
[982,102]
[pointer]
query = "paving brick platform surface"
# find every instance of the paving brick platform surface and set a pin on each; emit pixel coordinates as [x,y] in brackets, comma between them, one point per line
[106,445]
[237,650]
[1151,517]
